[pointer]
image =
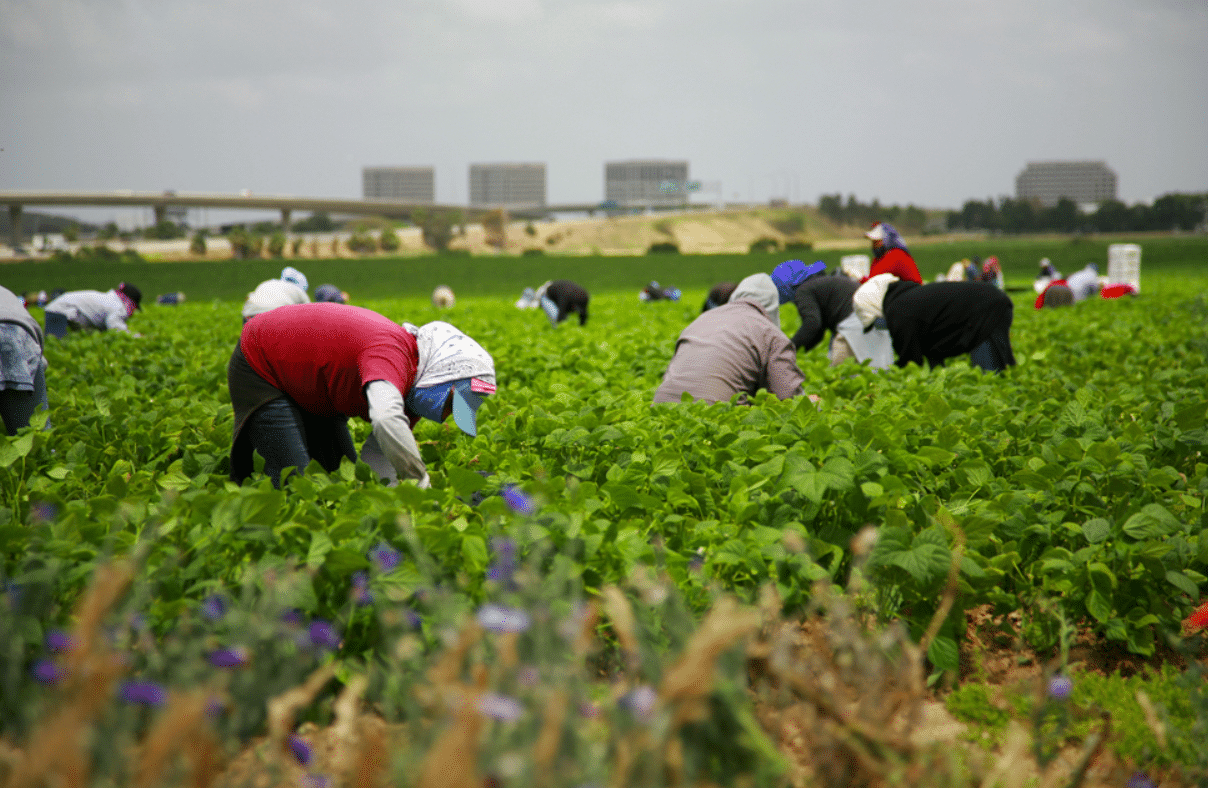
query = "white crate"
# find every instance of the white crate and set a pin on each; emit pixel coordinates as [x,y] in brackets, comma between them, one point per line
[1124,265]
[855,265]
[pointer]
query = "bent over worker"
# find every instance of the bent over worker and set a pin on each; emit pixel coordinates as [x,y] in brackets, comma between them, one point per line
[736,348]
[22,364]
[941,320]
[301,371]
[562,297]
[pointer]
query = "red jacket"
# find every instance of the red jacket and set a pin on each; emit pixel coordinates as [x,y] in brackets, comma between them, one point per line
[897,262]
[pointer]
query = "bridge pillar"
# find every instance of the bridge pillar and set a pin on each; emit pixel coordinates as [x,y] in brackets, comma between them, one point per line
[161,213]
[285,220]
[14,217]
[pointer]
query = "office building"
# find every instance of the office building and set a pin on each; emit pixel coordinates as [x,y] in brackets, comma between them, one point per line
[646,183]
[1084,182]
[415,185]
[507,185]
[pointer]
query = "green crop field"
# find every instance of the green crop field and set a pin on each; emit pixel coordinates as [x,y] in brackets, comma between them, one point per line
[1068,493]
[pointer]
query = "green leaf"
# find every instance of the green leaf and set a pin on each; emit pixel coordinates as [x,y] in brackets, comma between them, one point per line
[1183,583]
[1098,606]
[1191,417]
[474,551]
[1152,522]
[464,482]
[320,546]
[1096,530]
[944,653]
[13,449]
[623,496]
[936,457]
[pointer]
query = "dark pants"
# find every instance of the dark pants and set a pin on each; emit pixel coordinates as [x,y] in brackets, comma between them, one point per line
[56,325]
[18,407]
[989,354]
[287,436]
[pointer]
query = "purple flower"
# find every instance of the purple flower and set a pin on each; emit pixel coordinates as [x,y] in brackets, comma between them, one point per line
[413,618]
[323,634]
[360,589]
[589,710]
[237,657]
[292,617]
[314,780]
[504,567]
[696,563]
[518,501]
[58,641]
[143,693]
[640,702]
[47,672]
[528,676]
[1060,687]
[43,512]
[384,557]
[1140,779]
[498,618]
[500,707]
[214,607]
[300,749]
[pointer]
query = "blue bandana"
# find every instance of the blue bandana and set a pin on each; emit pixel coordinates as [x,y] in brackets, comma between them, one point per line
[791,273]
[429,402]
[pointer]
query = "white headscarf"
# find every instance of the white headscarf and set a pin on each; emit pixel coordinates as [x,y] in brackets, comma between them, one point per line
[446,354]
[761,289]
[869,298]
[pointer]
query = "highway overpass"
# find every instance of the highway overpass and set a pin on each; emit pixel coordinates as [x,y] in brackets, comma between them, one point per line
[159,202]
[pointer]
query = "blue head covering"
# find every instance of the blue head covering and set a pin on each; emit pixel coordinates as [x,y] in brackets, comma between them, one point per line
[888,235]
[791,273]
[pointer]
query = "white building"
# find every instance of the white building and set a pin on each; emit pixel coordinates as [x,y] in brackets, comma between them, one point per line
[416,185]
[1084,182]
[507,185]
[646,183]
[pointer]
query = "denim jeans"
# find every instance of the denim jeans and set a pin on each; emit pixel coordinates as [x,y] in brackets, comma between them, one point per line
[17,407]
[56,325]
[287,436]
[987,356]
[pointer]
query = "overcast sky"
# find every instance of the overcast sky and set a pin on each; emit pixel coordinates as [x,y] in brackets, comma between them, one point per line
[931,102]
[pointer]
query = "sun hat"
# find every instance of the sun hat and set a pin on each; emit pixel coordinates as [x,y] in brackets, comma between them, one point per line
[877,233]
[467,397]
[294,276]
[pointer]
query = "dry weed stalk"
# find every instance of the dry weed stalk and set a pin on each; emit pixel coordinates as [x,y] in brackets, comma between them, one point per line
[281,709]
[57,748]
[184,720]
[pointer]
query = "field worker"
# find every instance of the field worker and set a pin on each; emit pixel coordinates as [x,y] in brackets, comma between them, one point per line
[824,303]
[737,348]
[443,298]
[330,294]
[530,298]
[301,371]
[956,271]
[92,309]
[992,272]
[890,255]
[941,320]
[1048,273]
[656,292]
[1085,283]
[561,298]
[170,299]
[289,289]
[718,295]
[22,365]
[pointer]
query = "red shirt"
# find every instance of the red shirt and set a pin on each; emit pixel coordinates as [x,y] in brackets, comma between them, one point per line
[324,354]
[898,263]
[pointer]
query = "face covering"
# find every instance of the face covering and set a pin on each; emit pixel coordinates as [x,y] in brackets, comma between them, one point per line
[429,402]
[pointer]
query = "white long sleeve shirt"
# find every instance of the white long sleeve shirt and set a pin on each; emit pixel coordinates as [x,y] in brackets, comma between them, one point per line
[91,309]
[392,437]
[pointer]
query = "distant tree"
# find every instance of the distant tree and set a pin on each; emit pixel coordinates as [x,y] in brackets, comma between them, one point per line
[71,233]
[317,222]
[1017,216]
[276,244]
[831,206]
[1179,211]
[108,232]
[198,245]
[437,227]
[165,230]
[362,241]
[1063,217]
[296,246]
[494,225]
[388,240]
